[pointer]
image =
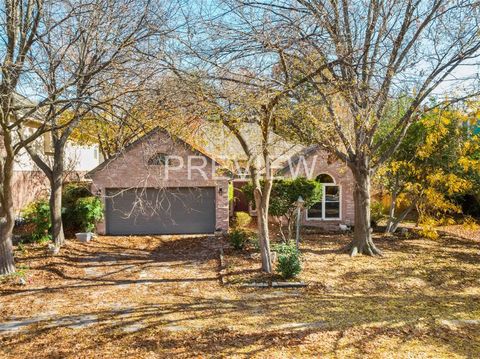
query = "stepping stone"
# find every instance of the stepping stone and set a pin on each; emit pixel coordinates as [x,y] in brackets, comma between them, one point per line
[176,328]
[78,322]
[92,272]
[132,328]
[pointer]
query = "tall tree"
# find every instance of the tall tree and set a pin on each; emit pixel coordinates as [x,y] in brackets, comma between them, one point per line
[243,79]
[248,113]
[96,45]
[378,51]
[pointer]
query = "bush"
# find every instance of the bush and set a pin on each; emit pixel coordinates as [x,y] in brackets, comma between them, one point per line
[288,260]
[72,192]
[470,223]
[285,193]
[242,219]
[427,228]
[428,232]
[89,211]
[38,214]
[238,238]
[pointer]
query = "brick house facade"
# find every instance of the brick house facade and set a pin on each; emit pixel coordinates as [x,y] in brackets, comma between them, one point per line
[131,169]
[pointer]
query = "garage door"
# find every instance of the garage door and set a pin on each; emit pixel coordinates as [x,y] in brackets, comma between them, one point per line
[160,211]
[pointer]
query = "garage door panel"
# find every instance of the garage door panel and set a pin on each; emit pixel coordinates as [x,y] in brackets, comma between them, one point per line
[161,211]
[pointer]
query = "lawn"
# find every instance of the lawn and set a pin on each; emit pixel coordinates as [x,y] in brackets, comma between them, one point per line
[148,297]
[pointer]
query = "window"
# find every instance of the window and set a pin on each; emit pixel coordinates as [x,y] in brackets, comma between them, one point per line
[324,178]
[329,207]
[157,159]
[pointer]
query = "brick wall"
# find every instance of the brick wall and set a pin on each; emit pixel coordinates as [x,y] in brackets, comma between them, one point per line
[28,186]
[130,170]
[321,162]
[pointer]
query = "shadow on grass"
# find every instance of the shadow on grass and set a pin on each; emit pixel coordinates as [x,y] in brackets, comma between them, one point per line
[256,322]
[215,327]
[114,260]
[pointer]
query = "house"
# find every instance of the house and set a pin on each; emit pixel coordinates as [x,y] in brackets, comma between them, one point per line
[179,184]
[30,183]
[161,185]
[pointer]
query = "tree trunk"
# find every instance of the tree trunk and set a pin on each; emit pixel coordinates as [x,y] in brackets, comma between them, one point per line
[362,242]
[56,211]
[56,187]
[391,212]
[7,262]
[400,218]
[55,177]
[264,241]
[279,220]
[261,203]
[290,222]
[7,220]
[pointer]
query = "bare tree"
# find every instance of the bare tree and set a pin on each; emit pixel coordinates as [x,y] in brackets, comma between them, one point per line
[95,47]
[379,52]
[52,54]
[242,78]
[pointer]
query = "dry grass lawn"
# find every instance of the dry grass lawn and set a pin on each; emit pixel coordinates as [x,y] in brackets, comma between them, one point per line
[149,297]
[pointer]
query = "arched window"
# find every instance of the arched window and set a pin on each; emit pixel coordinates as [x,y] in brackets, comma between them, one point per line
[157,159]
[324,178]
[329,207]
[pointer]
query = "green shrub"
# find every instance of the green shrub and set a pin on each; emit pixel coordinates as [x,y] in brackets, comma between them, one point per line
[71,193]
[242,219]
[288,260]
[238,238]
[38,213]
[283,199]
[89,211]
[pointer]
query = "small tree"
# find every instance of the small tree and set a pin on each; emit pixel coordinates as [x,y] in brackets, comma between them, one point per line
[285,193]
[434,164]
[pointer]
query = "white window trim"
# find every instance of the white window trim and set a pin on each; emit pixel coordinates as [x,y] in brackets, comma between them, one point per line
[323,205]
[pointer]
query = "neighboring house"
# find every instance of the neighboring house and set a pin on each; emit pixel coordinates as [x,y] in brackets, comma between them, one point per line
[30,183]
[164,184]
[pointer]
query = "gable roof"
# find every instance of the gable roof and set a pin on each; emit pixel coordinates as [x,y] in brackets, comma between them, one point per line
[144,138]
[217,140]
[305,152]
[217,143]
